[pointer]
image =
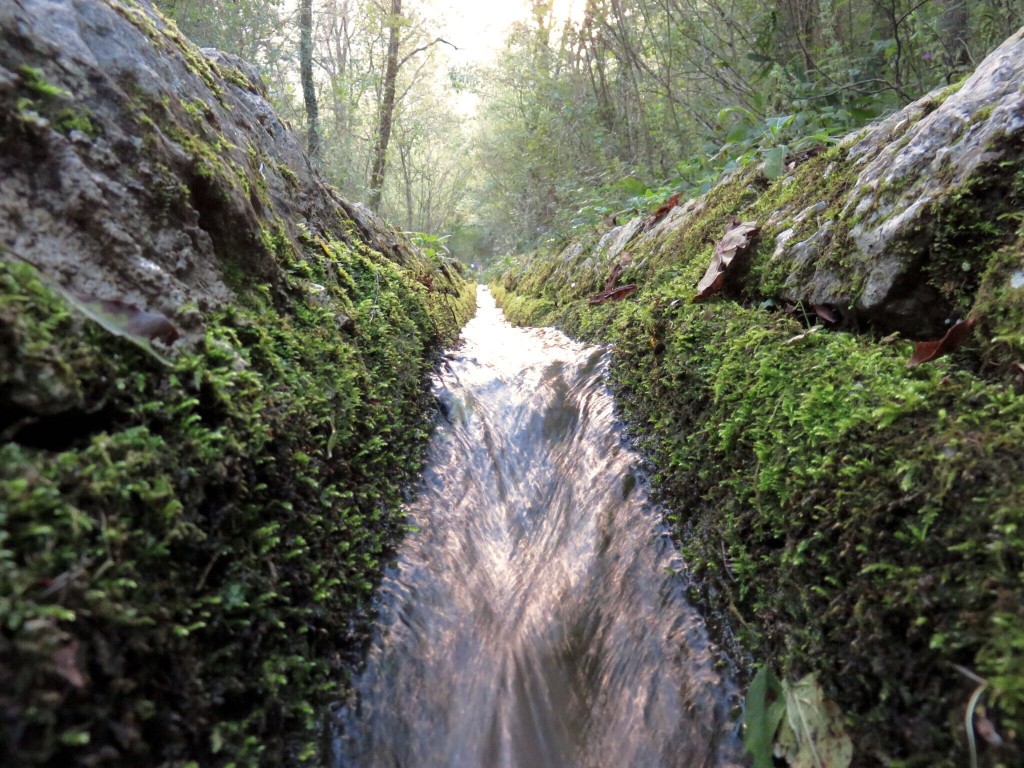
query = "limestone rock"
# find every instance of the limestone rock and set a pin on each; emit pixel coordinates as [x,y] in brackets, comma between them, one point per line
[137,168]
[909,167]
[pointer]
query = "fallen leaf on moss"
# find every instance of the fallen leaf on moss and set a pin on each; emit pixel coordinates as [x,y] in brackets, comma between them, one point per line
[143,323]
[804,335]
[65,664]
[121,319]
[613,295]
[812,734]
[736,242]
[137,325]
[926,351]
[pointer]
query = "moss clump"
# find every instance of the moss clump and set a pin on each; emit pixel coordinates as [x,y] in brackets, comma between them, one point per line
[34,80]
[1000,309]
[289,176]
[43,104]
[972,224]
[852,517]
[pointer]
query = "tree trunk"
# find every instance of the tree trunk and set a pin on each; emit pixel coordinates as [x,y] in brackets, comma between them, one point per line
[306,75]
[387,108]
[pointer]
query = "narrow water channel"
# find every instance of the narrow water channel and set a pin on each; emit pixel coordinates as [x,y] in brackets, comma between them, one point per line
[535,618]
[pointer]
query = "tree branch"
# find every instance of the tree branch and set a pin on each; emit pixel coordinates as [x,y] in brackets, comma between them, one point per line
[425,47]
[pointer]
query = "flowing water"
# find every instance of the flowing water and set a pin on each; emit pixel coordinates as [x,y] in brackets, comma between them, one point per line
[536,618]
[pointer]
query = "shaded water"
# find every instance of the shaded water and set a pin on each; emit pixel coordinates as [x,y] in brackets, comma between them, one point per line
[535,620]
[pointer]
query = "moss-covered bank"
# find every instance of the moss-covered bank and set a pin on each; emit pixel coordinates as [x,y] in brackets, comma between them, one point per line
[189,532]
[847,515]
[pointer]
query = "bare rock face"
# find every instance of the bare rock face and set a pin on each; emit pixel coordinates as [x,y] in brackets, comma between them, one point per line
[137,168]
[913,170]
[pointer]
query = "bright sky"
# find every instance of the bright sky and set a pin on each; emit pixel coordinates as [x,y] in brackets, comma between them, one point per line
[479,27]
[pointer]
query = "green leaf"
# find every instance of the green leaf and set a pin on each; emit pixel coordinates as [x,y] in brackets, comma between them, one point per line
[761,719]
[776,124]
[632,186]
[884,46]
[739,133]
[773,161]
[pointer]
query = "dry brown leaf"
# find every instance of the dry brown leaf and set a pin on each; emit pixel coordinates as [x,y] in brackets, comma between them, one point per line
[736,242]
[613,295]
[926,351]
[65,664]
[825,313]
[667,206]
[617,271]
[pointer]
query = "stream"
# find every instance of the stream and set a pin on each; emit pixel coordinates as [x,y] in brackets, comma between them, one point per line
[536,616]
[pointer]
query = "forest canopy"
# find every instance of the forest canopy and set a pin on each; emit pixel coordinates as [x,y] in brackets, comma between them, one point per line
[584,118]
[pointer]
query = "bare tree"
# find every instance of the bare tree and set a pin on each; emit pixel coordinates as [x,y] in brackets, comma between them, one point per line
[387,107]
[306,76]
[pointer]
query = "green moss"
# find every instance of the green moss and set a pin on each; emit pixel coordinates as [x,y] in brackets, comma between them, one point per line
[971,225]
[235,76]
[210,154]
[852,517]
[198,110]
[34,80]
[186,560]
[1000,309]
[165,35]
[45,104]
[289,176]
[69,120]
[982,114]
[949,90]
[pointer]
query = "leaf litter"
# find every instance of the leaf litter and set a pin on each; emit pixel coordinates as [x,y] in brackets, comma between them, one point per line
[735,243]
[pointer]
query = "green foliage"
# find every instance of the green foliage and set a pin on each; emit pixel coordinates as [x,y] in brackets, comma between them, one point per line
[762,715]
[639,100]
[795,721]
[431,246]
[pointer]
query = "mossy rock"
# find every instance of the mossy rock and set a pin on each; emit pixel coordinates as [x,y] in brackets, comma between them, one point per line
[214,397]
[843,513]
